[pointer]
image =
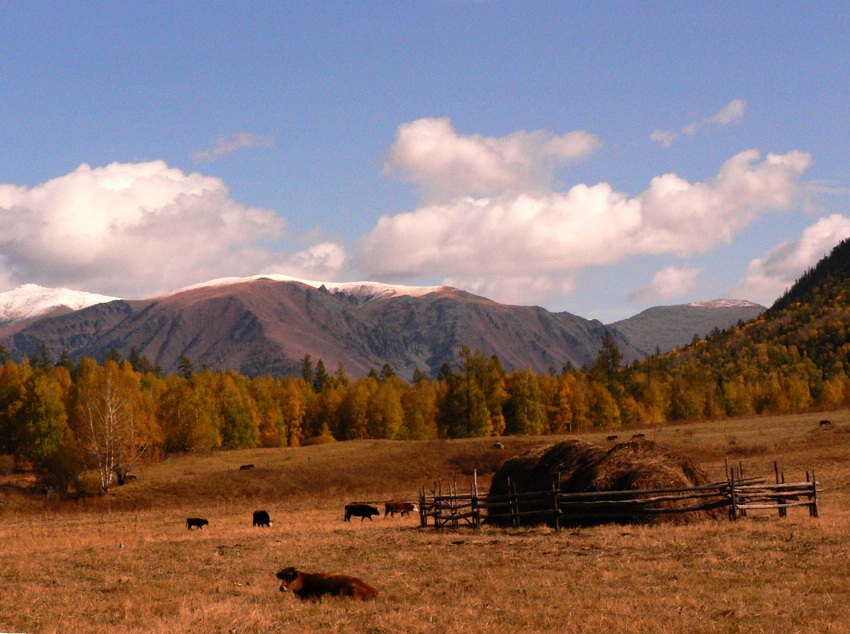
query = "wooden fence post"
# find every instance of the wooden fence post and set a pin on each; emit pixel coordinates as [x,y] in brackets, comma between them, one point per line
[556,491]
[476,511]
[733,509]
[514,505]
[783,512]
[438,504]
[423,512]
[813,509]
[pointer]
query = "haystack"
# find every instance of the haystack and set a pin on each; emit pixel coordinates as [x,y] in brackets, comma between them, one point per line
[582,467]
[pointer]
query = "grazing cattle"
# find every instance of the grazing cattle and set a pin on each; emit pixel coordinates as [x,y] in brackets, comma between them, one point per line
[826,423]
[612,438]
[360,510]
[314,585]
[391,507]
[261,518]
[245,467]
[638,436]
[498,445]
[200,522]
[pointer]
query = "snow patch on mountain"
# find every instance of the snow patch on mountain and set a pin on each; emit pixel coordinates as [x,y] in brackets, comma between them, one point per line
[723,303]
[360,290]
[31,300]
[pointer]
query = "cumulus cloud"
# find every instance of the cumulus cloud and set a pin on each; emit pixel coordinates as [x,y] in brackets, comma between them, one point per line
[685,218]
[669,282]
[515,289]
[444,164]
[771,275]
[732,112]
[551,235]
[322,261]
[228,145]
[132,229]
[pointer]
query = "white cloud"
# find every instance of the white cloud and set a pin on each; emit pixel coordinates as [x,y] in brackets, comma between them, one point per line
[323,261]
[683,218]
[232,144]
[430,154]
[514,289]
[669,282]
[732,112]
[131,230]
[665,138]
[547,235]
[771,275]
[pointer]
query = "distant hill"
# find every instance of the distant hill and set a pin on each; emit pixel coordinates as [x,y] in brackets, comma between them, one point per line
[666,327]
[266,326]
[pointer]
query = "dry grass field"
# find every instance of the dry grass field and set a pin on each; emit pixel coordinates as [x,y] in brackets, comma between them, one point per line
[125,562]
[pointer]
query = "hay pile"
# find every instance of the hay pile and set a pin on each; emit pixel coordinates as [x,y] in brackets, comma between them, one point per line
[583,467]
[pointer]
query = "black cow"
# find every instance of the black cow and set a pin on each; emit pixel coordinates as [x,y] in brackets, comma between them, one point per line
[245,467]
[360,510]
[261,518]
[200,522]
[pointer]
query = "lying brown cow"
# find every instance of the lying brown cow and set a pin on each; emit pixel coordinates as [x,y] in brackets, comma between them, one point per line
[314,585]
[391,507]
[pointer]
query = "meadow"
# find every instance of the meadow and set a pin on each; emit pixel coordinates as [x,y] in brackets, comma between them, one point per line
[125,561]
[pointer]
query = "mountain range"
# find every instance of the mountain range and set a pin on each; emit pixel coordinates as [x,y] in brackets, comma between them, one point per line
[268,324]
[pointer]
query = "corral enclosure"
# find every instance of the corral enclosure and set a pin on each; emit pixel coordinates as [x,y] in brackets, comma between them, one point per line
[126,562]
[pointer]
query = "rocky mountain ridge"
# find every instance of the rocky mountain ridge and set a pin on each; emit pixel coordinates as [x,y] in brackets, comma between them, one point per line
[266,324]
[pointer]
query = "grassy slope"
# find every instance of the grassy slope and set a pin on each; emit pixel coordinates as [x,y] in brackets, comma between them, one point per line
[125,562]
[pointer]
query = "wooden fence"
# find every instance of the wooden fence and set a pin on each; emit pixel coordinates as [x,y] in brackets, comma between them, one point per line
[739,495]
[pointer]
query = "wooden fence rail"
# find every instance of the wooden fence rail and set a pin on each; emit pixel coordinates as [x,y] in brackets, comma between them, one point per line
[555,507]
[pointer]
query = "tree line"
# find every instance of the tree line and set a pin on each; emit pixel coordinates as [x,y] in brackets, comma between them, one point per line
[65,417]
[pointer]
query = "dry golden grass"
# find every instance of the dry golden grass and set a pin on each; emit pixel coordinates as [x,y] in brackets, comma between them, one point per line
[125,562]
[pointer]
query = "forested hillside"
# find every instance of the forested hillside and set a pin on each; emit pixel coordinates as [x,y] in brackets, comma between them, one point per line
[796,355]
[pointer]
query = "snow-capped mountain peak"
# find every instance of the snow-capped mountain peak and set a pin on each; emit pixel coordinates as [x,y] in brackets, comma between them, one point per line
[723,303]
[361,290]
[32,300]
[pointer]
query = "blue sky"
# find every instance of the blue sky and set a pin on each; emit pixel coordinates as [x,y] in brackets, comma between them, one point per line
[594,158]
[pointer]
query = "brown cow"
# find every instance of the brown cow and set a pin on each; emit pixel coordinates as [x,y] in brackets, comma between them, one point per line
[314,585]
[391,507]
